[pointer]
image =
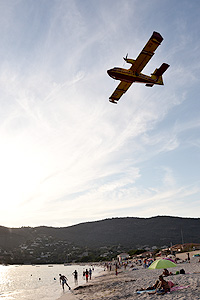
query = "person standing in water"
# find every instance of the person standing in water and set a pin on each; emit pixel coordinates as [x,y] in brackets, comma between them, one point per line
[86,275]
[90,273]
[63,281]
[75,273]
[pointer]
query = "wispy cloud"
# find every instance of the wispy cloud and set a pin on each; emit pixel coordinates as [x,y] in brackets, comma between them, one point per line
[67,155]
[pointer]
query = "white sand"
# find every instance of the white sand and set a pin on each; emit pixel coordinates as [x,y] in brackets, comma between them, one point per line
[124,285]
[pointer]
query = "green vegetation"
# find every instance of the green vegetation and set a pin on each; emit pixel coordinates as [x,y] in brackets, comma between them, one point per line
[136,252]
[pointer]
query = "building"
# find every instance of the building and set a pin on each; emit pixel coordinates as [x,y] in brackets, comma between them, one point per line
[123,256]
[184,247]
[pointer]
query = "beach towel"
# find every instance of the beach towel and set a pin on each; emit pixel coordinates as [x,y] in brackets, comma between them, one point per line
[171,284]
[146,291]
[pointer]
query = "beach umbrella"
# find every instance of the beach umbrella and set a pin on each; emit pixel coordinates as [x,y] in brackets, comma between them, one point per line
[162,264]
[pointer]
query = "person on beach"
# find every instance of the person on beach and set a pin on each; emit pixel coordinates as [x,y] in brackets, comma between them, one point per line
[86,275]
[90,273]
[188,257]
[116,268]
[145,263]
[75,273]
[163,286]
[63,281]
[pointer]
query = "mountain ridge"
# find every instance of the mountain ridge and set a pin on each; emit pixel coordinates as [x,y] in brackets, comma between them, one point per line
[131,232]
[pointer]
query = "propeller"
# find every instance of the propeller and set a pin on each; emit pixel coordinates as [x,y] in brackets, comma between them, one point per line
[125,58]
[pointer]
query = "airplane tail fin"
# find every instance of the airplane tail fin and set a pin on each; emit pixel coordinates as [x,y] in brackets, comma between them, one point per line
[157,74]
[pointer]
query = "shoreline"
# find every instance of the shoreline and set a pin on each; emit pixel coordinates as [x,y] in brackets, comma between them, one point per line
[123,286]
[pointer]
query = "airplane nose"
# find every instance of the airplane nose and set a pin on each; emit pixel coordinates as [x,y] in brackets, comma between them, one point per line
[109,72]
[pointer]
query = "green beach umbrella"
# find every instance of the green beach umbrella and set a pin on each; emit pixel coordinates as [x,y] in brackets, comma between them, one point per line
[162,264]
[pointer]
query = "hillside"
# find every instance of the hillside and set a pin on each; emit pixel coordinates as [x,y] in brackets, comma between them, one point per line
[128,232]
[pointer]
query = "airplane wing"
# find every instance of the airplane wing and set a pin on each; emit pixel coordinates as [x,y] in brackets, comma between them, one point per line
[119,91]
[147,52]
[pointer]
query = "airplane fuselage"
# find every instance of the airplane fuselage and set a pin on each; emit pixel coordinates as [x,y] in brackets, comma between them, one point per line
[130,76]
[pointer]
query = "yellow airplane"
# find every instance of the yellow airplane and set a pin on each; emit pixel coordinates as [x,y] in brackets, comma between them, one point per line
[128,76]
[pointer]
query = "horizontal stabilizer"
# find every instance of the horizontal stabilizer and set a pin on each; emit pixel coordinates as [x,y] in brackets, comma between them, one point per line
[112,100]
[161,70]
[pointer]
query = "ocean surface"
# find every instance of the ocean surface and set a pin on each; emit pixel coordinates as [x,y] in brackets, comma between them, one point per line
[33,282]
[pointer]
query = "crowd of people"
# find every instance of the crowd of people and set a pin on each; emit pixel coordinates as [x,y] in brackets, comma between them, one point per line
[161,285]
[87,275]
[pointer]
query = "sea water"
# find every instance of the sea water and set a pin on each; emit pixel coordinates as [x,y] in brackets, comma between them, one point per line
[28,282]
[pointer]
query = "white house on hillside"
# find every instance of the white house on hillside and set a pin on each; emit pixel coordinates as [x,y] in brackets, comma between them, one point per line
[122,256]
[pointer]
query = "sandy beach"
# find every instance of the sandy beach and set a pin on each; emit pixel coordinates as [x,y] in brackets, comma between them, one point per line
[108,286]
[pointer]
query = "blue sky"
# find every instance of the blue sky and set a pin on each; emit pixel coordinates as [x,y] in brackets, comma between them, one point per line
[67,155]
